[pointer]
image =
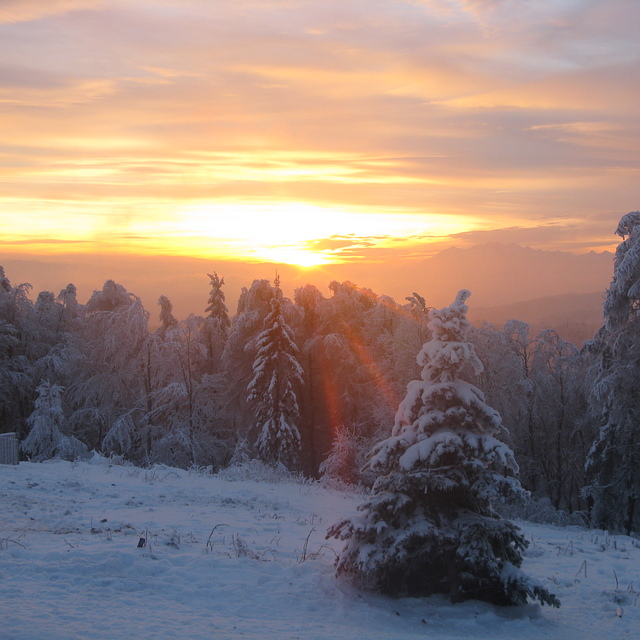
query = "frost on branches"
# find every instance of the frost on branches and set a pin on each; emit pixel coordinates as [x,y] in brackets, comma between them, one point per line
[430,526]
[216,308]
[613,463]
[271,391]
[46,438]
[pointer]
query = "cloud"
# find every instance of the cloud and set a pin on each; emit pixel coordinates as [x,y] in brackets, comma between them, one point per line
[333,243]
[373,248]
[54,95]
[576,236]
[44,241]
[12,11]
[394,106]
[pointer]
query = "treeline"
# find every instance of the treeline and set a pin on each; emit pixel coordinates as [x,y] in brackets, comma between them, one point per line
[78,377]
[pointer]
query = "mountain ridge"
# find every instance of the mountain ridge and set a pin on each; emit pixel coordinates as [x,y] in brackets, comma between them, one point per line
[501,274]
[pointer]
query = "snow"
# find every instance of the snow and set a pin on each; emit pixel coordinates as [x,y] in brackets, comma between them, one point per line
[246,559]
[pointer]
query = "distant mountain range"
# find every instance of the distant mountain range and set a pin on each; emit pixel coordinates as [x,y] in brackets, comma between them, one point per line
[547,289]
[504,274]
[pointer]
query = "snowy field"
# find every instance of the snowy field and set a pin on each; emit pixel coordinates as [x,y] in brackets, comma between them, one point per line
[244,559]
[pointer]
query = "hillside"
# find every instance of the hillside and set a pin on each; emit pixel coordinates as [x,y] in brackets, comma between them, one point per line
[244,556]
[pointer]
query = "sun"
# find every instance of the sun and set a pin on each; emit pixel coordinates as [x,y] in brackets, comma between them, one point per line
[290,255]
[281,232]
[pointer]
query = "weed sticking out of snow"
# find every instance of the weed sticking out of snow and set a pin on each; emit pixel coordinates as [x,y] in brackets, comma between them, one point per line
[106,551]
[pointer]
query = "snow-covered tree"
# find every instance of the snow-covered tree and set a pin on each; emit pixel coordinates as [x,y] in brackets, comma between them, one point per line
[167,319]
[272,391]
[346,458]
[430,525]
[216,307]
[537,384]
[183,417]
[46,438]
[358,353]
[31,345]
[614,460]
[347,381]
[239,351]
[68,298]
[106,364]
[308,298]
[16,388]
[215,331]
[558,376]
[420,312]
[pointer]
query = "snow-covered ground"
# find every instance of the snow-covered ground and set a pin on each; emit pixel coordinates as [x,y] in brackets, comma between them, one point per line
[246,559]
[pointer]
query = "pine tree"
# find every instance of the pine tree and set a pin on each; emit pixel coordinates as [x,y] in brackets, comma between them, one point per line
[430,526]
[46,438]
[238,357]
[272,390]
[216,327]
[614,461]
[216,308]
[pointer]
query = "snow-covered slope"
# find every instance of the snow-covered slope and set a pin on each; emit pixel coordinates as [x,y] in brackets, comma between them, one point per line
[246,559]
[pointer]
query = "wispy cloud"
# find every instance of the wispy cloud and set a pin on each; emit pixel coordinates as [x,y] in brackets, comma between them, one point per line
[504,113]
[12,11]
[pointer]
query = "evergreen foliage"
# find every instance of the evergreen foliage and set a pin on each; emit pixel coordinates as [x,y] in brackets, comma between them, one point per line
[215,330]
[179,395]
[216,307]
[46,438]
[272,391]
[238,357]
[431,526]
[614,460]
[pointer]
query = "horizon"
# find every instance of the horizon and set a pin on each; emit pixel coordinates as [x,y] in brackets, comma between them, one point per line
[499,275]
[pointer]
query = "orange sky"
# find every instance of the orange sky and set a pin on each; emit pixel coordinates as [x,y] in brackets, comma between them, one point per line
[311,132]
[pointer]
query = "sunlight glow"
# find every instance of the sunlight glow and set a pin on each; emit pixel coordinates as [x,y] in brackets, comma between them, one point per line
[304,234]
[285,232]
[291,255]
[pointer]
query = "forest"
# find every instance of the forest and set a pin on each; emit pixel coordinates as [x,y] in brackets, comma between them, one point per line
[313,384]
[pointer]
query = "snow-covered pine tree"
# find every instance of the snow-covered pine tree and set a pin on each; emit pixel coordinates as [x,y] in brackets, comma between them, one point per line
[215,331]
[430,526]
[613,463]
[46,439]
[276,373]
[216,308]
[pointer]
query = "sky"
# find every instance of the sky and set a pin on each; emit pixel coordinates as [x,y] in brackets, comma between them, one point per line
[309,133]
